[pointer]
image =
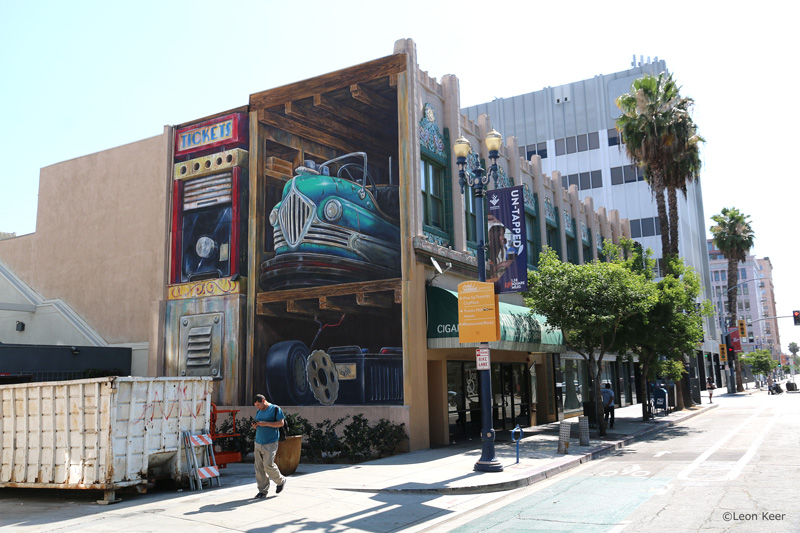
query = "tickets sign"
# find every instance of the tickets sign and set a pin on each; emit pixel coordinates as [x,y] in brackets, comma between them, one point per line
[220,131]
[478,313]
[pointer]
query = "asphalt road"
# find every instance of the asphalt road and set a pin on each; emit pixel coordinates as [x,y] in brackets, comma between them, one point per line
[734,468]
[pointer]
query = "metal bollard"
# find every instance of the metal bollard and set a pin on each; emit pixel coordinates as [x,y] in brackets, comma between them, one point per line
[563,437]
[583,430]
[517,440]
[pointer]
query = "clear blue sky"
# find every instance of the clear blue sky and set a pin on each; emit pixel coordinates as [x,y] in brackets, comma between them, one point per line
[82,76]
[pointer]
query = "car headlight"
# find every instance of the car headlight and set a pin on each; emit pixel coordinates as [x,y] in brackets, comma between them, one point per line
[333,210]
[273,217]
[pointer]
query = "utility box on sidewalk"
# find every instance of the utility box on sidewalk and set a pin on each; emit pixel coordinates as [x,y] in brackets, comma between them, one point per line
[103,433]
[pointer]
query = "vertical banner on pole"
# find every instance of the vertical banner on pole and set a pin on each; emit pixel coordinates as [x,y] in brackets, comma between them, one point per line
[508,258]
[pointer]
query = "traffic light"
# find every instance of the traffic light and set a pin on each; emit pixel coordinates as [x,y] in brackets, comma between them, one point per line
[743,328]
[796,315]
[723,353]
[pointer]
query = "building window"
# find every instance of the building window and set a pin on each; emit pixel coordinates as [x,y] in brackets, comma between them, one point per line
[616,176]
[572,145]
[531,231]
[716,275]
[470,217]
[573,179]
[594,141]
[585,181]
[583,143]
[613,137]
[648,227]
[742,273]
[597,179]
[636,229]
[629,171]
[561,147]
[745,290]
[432,194]
[565,182]
[723,275]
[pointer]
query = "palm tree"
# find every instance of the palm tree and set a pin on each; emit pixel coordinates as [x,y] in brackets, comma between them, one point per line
[685,168]
[734,238]
[661,138]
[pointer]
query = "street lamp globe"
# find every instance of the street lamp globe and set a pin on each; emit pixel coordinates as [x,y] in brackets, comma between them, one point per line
[462,147]
[493,141]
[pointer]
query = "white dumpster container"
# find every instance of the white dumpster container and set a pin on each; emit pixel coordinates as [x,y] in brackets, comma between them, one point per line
[103,433]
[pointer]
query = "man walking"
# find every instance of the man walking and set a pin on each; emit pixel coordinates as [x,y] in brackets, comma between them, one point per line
[608,404]
[269,418]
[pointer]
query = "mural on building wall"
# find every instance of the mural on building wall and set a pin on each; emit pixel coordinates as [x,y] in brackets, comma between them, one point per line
[328,307]
[204,326]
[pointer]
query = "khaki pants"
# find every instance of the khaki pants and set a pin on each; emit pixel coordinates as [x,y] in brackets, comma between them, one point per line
[266,467]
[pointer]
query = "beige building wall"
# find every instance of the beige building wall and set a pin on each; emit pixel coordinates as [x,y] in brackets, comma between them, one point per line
[101,239]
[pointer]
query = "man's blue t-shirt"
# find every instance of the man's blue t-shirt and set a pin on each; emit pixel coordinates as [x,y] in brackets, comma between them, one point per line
[264,434]
[608,396]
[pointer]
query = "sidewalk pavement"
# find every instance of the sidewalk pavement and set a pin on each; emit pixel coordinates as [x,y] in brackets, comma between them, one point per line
[449,470]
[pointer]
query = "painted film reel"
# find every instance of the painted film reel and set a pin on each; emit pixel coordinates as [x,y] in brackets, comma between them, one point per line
[322,377]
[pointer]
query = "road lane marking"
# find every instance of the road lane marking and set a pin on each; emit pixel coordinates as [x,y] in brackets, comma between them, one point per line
[684,474]
[659,454]
[751,451]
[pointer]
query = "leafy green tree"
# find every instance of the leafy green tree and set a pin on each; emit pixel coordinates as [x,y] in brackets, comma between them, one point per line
[588,303]
[664,335]
[760,361]
[660,137]
[734,237]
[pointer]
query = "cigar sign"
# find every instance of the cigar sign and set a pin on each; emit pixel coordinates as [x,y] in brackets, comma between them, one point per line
[478,313]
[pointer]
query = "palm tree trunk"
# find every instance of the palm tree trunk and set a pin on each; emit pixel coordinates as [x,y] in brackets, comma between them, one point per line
[664,222]
[672,199]
[645,399]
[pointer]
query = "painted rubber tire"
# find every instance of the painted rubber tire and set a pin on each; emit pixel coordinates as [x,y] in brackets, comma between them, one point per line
[286,374]
[322,377]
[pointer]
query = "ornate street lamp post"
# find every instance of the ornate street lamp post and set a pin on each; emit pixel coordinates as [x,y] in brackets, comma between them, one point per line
[477,180]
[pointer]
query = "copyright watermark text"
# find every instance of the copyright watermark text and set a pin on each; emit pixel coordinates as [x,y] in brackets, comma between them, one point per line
[764,516]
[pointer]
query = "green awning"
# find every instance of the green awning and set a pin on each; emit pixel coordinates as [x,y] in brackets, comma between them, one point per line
[520,330]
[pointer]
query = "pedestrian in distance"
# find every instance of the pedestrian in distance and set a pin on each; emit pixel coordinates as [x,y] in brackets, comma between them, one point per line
[769,384]
[268,419]
[710,388]
[608,404]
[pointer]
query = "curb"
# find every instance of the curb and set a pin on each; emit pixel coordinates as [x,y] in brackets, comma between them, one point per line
[546,472]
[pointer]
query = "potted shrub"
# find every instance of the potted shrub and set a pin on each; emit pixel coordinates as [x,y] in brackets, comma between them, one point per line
[288,456]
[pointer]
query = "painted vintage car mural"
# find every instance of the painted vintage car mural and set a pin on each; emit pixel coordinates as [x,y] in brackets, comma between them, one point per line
[334,224]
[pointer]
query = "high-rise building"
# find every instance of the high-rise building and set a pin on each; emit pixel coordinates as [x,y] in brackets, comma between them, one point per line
[755,302]
[572,129]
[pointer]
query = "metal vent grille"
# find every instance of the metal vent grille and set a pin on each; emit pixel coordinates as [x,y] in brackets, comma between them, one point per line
[201,344]
[210,190]
[198,349]
[295,217]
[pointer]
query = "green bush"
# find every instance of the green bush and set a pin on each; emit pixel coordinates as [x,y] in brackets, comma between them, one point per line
[386,436]
[356,441]
[322,443]
[359,441]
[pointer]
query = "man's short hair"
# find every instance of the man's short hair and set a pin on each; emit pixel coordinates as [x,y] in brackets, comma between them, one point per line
[260,398]
[608,385]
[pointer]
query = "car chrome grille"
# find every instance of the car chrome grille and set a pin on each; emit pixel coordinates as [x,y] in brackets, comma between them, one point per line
[318,233]
[295,217]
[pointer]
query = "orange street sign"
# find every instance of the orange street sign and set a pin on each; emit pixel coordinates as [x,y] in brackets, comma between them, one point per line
[478,312]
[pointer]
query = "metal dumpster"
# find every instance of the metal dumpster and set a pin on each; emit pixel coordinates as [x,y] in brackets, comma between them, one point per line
[102,433]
